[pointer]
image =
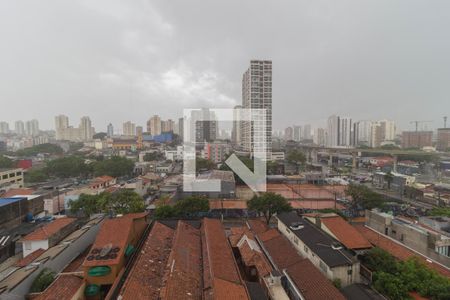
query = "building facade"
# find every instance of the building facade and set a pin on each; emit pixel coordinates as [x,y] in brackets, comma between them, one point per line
[257,94]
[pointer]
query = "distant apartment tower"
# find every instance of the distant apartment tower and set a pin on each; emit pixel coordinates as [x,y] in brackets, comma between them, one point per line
[32,127]
[181,128]
[139,130]
[110,130]
[4,128]
[345,131]
[298,134]
[319,137]
[129,128]
[167,126]
[61,125]
[204,125]
[443,139]
[19,128]
[417,139]
[236,131]
[86,130]
[257,94]
[388,130]
[376,135]
[289,134]
[307,132]
[333,131]
[154,125]
[362,133]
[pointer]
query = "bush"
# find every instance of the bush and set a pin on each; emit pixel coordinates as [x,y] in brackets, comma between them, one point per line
[42,281]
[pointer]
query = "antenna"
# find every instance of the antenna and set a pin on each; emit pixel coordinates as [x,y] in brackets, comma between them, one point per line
[445,122]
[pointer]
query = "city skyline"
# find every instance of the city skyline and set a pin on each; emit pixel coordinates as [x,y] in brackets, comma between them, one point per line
[315,75]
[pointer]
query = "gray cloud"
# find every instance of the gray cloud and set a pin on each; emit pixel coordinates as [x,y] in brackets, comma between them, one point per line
[127,60]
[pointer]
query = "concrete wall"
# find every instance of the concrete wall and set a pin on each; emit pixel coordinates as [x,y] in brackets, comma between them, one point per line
[29,247]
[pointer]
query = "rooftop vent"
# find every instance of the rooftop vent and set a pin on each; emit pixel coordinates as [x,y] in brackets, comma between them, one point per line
[296,225]
[336,246]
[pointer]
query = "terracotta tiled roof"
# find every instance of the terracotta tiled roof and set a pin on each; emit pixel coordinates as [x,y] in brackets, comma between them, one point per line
[29,258]
[308,279]
[219,264]
[15,192]
[255,258]
[268,235]
[64,287]
[183,271]
[282,252]
[312,283]
[257,226]
[345,233]
[146,276]
[237,233]
[227,204]
[76,265]
[46,231]
[396,249]
[315,204]
[114,231]
[227,290]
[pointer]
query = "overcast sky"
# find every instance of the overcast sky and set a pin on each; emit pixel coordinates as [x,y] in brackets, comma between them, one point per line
[127,60]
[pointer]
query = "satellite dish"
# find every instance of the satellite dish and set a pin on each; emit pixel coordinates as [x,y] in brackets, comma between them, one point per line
[105,250]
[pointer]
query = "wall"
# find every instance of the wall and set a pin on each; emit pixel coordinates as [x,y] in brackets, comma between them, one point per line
[31,246]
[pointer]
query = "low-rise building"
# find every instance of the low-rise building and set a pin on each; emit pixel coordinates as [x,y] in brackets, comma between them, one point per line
[11,178]
[115,242]
[326,253]
[430,242]
[48,235]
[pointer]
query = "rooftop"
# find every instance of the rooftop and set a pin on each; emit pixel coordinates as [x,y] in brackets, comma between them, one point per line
[113,231]
[146,276]
[64,287]
[7,201]
[217,174]
[397,250]
[311,282]
[48,230]
[318,241]
[345,233]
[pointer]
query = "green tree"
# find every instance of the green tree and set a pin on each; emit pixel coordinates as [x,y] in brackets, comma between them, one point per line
[363,197]
[116,166]
[33,176]
[124,201]
[100,135]
[391,286]
[89,204]
[296,157]
[153,156]
[204,164]
[42,148]
[165,212]
[191,205]
[42,281]
[65,167]
[5,162]
[377,259]
[269,204]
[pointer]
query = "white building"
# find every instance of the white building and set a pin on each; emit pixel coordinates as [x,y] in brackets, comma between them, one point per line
[333,131]
[32,127]
[257,94]
[154,125]
[19,128]
[345,131]
[388,130]
[129,129]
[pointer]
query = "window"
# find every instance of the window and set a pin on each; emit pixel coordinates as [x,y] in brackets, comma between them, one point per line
[296,241]
[323,266]
[306,249]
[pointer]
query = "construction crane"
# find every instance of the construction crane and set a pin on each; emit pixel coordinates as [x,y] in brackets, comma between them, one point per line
[445,122]
[419,122]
